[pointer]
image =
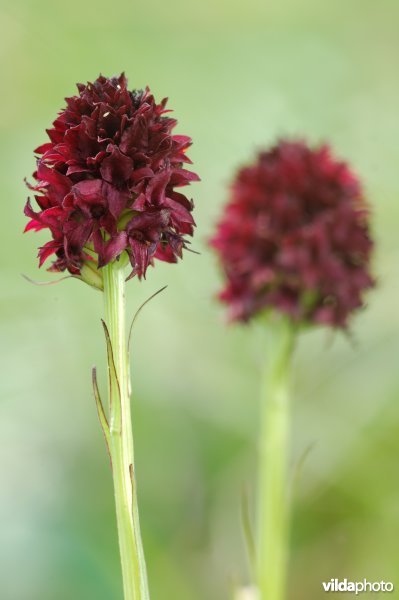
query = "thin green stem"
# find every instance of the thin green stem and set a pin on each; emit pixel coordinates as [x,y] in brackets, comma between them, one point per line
[273,460]
[134,573]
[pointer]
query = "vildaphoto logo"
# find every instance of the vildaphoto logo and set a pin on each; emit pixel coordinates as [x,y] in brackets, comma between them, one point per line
[357,587]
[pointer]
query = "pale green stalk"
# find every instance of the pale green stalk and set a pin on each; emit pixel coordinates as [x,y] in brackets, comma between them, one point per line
[120,439]
[273,511]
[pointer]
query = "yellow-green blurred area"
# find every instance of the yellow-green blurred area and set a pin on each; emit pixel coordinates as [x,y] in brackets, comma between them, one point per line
[238,75]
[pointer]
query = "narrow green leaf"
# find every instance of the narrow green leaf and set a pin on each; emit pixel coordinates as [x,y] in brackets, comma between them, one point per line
[115,409]
[100,410]
[301,462]
[247,529]
[138,311]
[53,282]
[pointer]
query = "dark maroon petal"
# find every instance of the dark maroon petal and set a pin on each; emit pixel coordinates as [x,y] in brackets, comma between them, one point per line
[140,203]
[93,160]
[29,212]
[135,135]
[88,189]
[75,237]
[117,167]
[155,192]
[144,173]
[139,257]
[47,250]
[88,196]
[183,141]
[34,225]
[98,242]
[166,254]
[179,213]
[112,249]
[76,169]
[43,148]
[182,177]
[56,182]
[117,200]
[95,196]
[149,220]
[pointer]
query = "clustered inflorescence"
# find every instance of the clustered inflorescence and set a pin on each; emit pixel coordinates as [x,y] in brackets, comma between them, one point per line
[294,237]
[107,181]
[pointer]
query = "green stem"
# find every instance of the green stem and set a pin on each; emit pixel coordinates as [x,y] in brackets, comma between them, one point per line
[273,462]
[134,573]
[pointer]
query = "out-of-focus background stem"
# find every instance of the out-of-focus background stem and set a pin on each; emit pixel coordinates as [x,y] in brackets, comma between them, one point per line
[273,507]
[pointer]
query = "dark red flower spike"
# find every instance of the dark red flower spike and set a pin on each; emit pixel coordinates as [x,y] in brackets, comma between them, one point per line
[295,237]
[107,181]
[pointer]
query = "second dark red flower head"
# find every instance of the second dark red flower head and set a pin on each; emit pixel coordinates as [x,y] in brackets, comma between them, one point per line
[295,237]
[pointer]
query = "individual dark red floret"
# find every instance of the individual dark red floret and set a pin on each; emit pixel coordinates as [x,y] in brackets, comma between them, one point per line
[107,181]
[295,237]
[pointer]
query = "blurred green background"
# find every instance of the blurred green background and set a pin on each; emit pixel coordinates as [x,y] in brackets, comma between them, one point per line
[237,75]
